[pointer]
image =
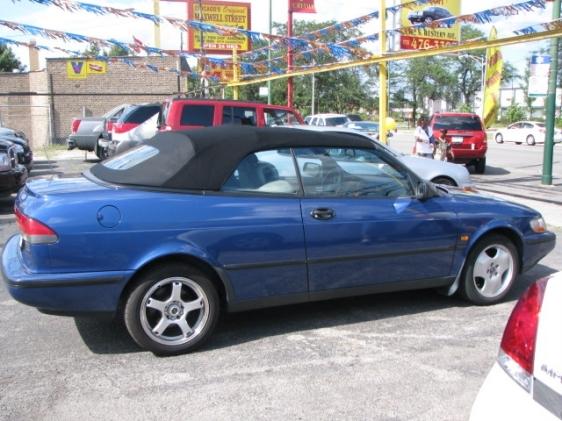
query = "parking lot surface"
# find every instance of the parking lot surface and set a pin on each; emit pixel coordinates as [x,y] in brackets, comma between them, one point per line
[402,356]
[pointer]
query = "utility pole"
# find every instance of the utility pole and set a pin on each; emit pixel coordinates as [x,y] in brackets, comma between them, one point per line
[289,55]
[156,12]
[551,103]
[269,55]
[383,73]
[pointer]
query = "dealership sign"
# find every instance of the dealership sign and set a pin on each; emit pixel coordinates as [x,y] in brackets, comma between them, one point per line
[220,13]
[301,6]
[81,69]
[538,75]
[432,35]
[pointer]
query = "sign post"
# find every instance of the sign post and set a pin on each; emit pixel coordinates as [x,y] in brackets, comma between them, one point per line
[551,104]
[383,73]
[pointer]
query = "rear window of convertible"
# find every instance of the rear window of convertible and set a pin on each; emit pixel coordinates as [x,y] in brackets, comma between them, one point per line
[131,158]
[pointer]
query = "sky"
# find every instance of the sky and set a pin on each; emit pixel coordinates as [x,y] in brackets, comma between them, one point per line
[122,29]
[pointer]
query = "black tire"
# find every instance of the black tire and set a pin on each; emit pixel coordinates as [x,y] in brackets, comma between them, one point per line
[445,181]
[156,288]
[530,140]
[499,259]
[499,138]
[101,153]
[480,166]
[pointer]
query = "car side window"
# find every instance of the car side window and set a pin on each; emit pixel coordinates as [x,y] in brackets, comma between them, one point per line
[241,116]
[350,172]
[271,172]
[197,115]
[275,118]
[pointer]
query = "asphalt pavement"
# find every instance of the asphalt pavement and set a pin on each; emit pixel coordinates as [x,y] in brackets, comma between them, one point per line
[402,356]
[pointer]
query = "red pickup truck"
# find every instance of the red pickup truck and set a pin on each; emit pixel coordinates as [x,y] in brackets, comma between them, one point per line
[181,113]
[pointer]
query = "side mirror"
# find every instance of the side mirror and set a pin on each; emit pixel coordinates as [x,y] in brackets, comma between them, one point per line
[311,169]
[422,191]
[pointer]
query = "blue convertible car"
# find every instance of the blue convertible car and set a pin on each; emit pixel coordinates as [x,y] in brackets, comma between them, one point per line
[224,219]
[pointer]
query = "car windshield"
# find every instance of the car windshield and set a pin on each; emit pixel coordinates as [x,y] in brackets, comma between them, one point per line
[457,122]
[539,124]
[336,121]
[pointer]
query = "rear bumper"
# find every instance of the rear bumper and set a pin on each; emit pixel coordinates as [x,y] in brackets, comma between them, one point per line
[464,156]
[501,398]
[61,293]
[536,247]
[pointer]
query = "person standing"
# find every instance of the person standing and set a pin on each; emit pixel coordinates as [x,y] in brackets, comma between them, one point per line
[423,146]
[443,148]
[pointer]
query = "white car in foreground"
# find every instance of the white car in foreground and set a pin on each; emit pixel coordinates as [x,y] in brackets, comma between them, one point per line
[438,172]
[525,383]
[530,132]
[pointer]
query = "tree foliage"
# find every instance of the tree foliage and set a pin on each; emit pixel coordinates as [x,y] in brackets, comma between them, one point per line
[8,60]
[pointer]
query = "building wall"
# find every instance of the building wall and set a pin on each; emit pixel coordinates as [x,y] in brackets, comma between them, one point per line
[43,103]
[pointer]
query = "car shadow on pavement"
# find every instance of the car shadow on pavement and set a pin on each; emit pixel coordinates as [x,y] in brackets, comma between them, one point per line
[489,171]
[111,337]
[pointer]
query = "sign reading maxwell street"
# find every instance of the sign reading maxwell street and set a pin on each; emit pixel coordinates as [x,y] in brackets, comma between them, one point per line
[433,34]
[220,13]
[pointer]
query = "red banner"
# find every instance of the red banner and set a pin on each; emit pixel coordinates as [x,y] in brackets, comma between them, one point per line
[301,6]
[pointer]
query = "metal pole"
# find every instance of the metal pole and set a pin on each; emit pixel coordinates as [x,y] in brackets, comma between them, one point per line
[551,103]
[289,56]
[156,7]
[235,74]
[269,55]
[383,73]
[483,87]
[313,110]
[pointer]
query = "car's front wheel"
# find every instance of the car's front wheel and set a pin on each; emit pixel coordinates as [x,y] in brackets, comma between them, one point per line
[499,138]
[444,181]
[530,140]
[171,309]
[490,270]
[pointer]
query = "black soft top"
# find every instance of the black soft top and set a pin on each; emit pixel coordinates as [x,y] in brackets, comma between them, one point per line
[204,159]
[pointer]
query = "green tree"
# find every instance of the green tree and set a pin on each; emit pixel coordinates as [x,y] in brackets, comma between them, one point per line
[335,91]
[93,50]
[469,66]
[116,51]
[8,60]
[514,113]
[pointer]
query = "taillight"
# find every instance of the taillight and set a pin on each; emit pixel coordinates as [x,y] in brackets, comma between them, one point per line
[74,125]
[123,127]
[108,126]
[33,231]
[517,349]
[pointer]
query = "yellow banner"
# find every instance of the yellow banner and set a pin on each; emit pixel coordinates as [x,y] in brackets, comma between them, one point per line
[96,67]
[433,35]
[76,69]
[494,67]
[221,14]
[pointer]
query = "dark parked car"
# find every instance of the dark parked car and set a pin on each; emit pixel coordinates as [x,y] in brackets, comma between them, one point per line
[193,223]
[23,151]
[428,15]
[12,174]
[88,133]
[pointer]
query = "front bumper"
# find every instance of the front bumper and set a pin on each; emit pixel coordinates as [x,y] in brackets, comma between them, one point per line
[536,247]
[11,181]
[61,293]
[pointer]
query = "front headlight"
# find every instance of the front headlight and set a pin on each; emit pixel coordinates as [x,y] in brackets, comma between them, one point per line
[538,225]
[5,164]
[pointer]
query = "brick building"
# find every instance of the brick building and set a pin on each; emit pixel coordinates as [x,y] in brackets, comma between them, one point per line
[42,103]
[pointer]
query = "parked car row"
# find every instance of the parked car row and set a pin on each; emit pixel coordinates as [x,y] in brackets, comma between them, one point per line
[16,160]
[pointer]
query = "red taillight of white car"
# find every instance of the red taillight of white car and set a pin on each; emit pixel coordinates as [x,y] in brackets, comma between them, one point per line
[517,349]
[74,125]
[123,127]
[33,231]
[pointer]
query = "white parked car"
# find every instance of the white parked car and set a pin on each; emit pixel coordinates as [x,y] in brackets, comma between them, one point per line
[328,120]
[525,383]
[439,172]
[530,132]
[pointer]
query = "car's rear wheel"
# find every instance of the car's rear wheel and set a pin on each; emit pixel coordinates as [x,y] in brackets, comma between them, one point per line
[530,140]
[101,153]
[499,138]
[444,180]
[480,166]
[490,270]
[172,309]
